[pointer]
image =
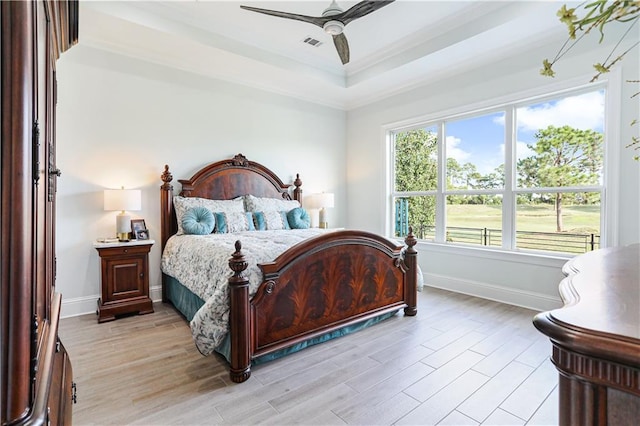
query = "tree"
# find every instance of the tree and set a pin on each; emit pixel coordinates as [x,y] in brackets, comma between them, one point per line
[563,157]
[416,170]
[492,180]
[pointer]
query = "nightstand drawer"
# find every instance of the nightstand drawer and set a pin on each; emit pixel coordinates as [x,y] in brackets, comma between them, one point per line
[124,251]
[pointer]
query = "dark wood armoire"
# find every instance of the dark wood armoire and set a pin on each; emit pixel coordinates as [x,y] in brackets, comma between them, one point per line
[35,378]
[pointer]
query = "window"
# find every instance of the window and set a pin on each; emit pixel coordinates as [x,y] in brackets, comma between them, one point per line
[523,176]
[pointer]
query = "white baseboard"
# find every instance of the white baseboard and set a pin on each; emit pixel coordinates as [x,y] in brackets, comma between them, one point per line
[89,304]
[525,299]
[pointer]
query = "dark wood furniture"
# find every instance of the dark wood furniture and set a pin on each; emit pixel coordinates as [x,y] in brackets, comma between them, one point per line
[125,279]
[316,287]
[596,338]
[35,372]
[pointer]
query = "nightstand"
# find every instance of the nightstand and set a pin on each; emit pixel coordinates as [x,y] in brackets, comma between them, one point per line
[124,278]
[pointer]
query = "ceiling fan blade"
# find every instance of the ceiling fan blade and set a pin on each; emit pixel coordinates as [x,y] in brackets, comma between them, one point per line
[342,47]
[361,9]
[319,21]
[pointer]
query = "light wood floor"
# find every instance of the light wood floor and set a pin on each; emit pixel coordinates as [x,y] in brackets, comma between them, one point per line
[460,361]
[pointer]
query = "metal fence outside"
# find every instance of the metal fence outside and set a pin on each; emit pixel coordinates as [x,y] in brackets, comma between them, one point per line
[546,241]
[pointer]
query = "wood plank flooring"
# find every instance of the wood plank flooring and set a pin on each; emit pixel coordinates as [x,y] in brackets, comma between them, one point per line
[460,361]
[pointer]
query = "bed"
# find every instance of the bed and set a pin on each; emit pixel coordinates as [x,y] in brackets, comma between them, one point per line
[311,292]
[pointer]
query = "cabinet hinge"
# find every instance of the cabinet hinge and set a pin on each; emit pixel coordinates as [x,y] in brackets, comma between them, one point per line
[53,173]
[74,389]
[36,152]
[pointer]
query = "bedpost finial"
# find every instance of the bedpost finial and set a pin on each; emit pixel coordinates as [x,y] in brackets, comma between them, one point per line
[297,192]
[411,241]
[166,176]
[237,263]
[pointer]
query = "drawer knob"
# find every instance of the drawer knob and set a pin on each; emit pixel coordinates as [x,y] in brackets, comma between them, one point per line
[125,251]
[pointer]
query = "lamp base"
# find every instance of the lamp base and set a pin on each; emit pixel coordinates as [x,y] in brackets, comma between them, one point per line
[322,218]
[123,237]
[123,226]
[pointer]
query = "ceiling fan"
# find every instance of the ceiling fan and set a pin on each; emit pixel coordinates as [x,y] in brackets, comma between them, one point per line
[332,21]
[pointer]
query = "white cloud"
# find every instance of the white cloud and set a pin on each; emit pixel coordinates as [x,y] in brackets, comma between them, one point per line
[582,112]
[454,152]
[523,151]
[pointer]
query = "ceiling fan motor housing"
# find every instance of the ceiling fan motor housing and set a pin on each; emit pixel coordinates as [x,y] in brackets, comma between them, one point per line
[333,27]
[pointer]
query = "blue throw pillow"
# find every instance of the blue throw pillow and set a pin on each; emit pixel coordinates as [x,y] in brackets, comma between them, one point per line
[298,218]
[198,221]
[258,221]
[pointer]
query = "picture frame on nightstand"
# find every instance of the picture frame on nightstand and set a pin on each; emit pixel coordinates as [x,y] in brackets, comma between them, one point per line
[142,234]
[138,225]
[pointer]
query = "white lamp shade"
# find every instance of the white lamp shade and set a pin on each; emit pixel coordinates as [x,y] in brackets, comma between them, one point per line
[123,199]
[325,200]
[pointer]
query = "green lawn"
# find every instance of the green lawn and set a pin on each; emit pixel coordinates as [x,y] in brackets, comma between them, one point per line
[536,218]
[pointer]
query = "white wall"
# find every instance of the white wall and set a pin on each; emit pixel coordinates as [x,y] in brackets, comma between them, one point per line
[526,280]
[120,120]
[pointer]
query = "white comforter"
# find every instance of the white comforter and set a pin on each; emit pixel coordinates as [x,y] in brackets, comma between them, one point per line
[201,263]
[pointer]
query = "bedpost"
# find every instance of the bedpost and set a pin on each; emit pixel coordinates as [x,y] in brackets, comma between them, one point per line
[239,319]
[166,207]
[411,260]
[297,192]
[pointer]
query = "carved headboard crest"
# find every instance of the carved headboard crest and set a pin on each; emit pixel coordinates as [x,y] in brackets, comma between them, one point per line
[240,161]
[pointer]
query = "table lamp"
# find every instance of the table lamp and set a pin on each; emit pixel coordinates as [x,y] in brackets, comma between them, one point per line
[324,201]
[123,200]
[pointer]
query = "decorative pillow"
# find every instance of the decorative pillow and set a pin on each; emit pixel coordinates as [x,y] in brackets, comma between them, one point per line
[298,218]
[233,222]
[265,204]
[271,220]
[198,221]
[182,204]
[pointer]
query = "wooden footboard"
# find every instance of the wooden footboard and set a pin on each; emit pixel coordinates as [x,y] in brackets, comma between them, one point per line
[318,286]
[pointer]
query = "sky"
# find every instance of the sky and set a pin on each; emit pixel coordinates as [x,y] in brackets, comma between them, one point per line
[480,140]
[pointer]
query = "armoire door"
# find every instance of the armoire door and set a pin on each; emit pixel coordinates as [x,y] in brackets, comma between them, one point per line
[35,371]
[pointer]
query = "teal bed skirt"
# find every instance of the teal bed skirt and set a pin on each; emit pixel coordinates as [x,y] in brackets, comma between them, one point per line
[188,304]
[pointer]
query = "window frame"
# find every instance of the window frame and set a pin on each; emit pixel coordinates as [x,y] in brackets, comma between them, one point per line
[509,104]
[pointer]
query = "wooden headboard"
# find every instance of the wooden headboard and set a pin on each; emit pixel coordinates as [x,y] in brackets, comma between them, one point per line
[224,180]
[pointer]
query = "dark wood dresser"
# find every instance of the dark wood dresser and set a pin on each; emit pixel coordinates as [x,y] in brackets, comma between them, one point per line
[596,338]
[35,371]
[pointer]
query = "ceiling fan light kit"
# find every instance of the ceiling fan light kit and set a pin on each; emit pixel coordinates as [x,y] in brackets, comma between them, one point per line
[332,21]
[333,27]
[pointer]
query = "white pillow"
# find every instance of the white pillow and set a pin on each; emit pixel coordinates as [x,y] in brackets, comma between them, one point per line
[182,204]
[265,204]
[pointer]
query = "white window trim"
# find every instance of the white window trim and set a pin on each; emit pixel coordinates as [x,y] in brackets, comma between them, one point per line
[609,226]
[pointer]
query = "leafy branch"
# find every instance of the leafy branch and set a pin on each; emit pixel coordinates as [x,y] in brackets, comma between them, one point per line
[599,13]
